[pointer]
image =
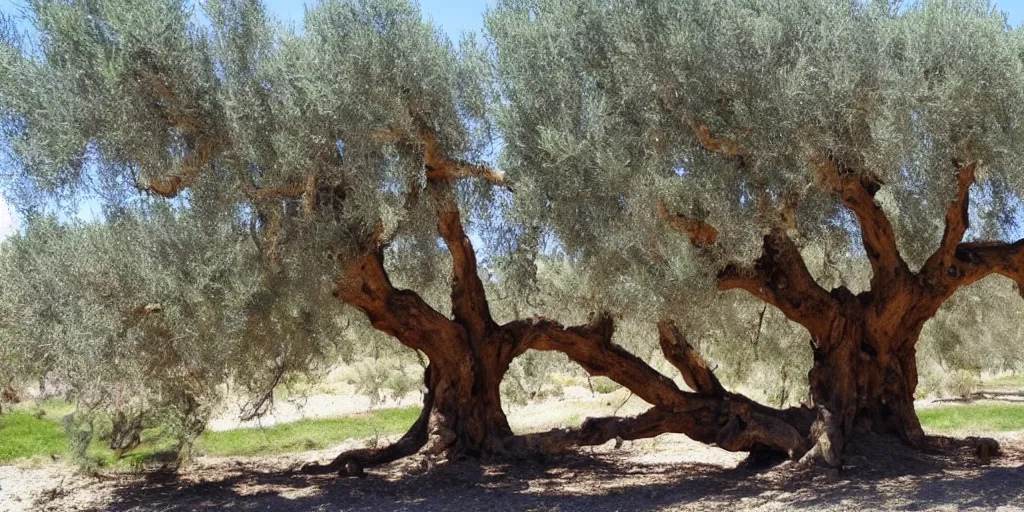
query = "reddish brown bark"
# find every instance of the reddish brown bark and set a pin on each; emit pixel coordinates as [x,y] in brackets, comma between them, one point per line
[470,353]
[711,414]
[864,373]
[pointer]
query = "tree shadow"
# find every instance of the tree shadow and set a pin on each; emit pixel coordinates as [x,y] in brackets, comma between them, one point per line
[590,483]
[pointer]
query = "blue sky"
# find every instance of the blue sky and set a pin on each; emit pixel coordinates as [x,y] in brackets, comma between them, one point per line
[454,16]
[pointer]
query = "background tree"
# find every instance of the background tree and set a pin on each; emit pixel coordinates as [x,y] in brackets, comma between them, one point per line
[138,320]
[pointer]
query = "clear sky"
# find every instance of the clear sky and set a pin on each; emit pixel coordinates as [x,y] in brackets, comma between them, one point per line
[454,16]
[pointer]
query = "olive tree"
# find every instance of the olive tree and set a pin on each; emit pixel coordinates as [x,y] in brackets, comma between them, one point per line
[137,319]
[352,149]
[765,132]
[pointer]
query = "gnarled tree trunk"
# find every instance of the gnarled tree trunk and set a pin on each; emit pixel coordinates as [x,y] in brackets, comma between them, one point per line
[866,380]
[466,417]
[864,345]
[470,353]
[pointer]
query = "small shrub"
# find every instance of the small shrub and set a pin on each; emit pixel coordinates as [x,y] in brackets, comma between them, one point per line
[604,385]
[401,384]
[961,383]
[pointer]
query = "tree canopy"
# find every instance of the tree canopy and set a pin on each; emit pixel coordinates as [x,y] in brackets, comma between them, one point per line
[615,161]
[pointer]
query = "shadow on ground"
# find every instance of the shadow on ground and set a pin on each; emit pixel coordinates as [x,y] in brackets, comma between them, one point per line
[884,476]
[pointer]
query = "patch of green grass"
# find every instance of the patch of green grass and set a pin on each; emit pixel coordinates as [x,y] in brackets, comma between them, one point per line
[157,447]
[1006,381]
[975,417]
[23,435]
[54,409]
[310,434]
[26,435]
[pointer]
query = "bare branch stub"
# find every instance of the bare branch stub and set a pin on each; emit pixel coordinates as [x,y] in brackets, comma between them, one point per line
[701,234]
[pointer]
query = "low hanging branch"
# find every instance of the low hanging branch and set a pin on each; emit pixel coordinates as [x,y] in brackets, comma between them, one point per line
[712,415]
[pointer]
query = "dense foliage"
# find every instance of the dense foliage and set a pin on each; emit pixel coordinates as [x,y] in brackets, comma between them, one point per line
[247,170]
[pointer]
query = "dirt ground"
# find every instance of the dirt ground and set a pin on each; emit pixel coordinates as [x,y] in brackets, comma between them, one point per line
[667,473]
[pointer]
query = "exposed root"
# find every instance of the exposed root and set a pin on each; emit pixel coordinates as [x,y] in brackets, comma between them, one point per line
[984,448]
[828,441]
[352,463]
[753,431]
[594,432]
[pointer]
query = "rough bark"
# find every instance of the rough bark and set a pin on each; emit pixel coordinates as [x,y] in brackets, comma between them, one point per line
[710,415]
[470,353]
[865,370]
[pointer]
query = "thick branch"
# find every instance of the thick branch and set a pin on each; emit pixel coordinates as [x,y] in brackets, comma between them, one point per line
[732,421]
[400,313]
[684,357]
[780,278]
[956,263]
[957,223]
[857,193]
[975,260]
[469,300]
[309,196]
[591,347]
